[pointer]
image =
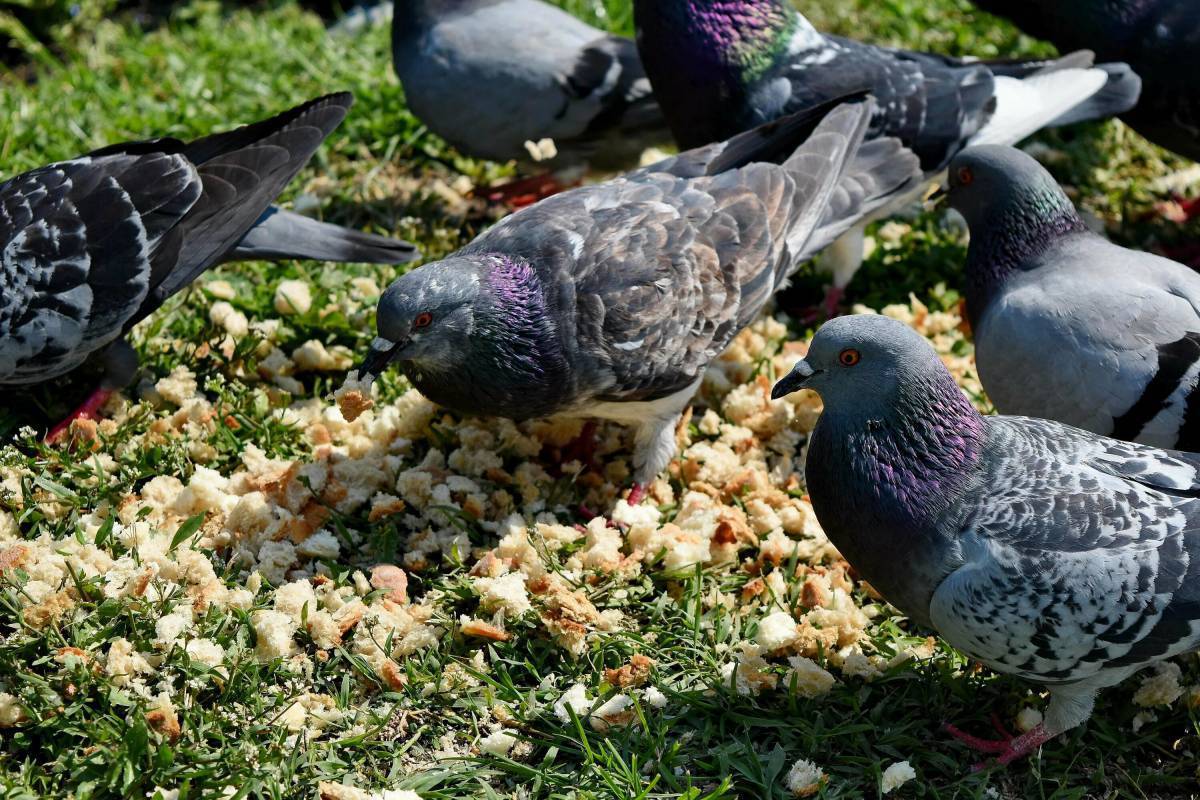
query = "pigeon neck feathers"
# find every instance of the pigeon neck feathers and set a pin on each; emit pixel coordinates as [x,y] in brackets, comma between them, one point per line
[1011,235]
[883,475]
[705,56]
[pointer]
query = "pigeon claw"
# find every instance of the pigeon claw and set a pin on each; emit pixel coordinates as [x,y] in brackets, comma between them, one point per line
[89,409]
[1006,750]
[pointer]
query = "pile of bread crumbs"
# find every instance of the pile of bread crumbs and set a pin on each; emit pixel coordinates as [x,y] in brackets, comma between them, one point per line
[291,530]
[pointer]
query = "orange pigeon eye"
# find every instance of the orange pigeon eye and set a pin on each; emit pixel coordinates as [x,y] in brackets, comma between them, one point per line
[964,176]
[423,320]
[849,357]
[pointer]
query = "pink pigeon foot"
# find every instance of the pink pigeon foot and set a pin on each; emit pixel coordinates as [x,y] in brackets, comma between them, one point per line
[89,409]
[583,447]
[1006,750]
[637,493]
[828,309]
[523,191]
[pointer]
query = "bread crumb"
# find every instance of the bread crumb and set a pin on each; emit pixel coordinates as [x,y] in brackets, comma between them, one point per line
[354,397]
[1028,719]
[805,779]
[293,297]
[498,743]
[896,776]
[574,699]
[777,632]
[807,678]
[1162,688]
[616,712]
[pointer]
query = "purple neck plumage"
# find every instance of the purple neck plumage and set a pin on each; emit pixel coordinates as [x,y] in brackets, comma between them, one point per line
[735,39]
[906,463]
[513,328]
[886,484]
[1009,241]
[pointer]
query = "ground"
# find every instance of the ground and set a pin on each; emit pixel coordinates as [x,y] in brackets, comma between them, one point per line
[229,591]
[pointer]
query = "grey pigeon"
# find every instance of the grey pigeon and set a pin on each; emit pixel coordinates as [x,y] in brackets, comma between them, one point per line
[1067,325]
[1039,549]
[1160,39]
[91,246]
[722,66]
[490,75]
[610,300]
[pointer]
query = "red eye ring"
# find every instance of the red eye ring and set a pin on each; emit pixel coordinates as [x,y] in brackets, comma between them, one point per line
[423,320]
[965,176]
[849,357]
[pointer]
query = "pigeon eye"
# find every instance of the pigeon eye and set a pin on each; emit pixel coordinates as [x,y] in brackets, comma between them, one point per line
[964,176]
[849,357]
[423,320]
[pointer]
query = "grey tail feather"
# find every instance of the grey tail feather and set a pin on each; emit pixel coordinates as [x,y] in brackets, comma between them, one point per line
[1116,96]
[281,234]
[882,172]
[1024,67]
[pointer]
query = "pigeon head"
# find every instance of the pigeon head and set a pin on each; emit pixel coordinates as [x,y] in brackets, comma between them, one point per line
[864,363]
[896,443]
[1014,208]
[992,180]
[427,315]
[474,333]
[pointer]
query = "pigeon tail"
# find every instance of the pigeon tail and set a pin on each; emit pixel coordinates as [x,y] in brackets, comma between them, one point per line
[1055,93]
[1118,95]
[243,171]
[280,234]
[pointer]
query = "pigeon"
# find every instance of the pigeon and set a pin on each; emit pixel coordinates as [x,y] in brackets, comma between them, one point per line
[721,66]
[1039,549]
[490,76]
[91,246]
[1157,38]
[1122,326]
[609,301]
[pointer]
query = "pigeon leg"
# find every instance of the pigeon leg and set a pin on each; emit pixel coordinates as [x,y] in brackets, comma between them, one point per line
[976,743]
[523,191]
[89,409]
[828,308]
[637,493]
[1005,750]
[120,365]
[583,447]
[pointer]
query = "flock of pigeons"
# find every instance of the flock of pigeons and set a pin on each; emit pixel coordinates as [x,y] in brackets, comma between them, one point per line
[1042,545]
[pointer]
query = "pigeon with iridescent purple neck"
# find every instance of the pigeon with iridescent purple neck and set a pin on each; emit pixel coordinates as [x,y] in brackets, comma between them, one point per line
[722,66]
[1123,326]
[610,300]
[1041,550]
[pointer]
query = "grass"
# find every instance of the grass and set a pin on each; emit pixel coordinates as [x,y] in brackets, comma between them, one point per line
[87,735]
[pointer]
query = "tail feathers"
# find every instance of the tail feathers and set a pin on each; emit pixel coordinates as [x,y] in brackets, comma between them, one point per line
[818,168]
[772,142]
[883,174]
[1025,106]
[280,234]
[243,171]
[1023,68]
[1118,95]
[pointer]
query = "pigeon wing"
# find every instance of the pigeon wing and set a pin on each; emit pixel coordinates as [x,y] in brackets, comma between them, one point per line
[79,240]
[1080,555]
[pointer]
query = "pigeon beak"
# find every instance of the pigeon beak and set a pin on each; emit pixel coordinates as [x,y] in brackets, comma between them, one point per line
[938,196]
[794,381]
[378,358]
